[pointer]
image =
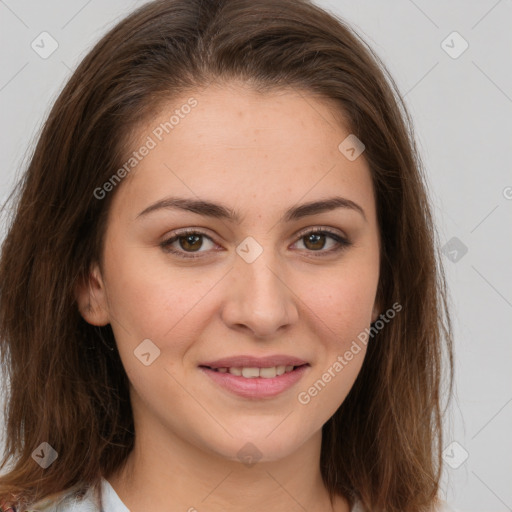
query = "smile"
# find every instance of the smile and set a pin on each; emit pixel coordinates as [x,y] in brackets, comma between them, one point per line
[249,372]
[256,382]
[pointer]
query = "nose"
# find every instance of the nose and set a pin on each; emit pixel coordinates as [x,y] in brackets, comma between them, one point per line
[259,298]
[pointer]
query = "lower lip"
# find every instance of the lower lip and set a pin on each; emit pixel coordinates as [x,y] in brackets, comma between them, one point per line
[257,387]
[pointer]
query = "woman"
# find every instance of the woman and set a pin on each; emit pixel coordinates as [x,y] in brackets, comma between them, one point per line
[220,288]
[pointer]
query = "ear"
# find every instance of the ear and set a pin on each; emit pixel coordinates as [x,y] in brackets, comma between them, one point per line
[91,298]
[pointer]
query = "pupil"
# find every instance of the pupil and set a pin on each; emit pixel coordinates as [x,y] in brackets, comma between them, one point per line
[316,237]
[188,239]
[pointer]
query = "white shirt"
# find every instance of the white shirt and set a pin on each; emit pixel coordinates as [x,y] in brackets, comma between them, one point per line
[91,502]
[112,503]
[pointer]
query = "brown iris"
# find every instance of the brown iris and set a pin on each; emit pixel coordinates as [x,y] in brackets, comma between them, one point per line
[315,237]
[190,242]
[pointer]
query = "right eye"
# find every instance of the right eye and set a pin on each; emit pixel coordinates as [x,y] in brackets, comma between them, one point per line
[189,240]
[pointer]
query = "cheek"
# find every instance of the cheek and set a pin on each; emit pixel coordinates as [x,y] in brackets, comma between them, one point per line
[320,397]
[341,320]
[342,302]
[152,300]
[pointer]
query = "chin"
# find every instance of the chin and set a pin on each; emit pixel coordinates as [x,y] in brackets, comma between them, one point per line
[258,446]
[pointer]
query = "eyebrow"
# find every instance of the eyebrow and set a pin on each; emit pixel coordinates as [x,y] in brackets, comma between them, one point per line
[219,211]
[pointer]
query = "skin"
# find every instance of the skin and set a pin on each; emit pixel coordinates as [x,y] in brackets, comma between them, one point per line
[258,154]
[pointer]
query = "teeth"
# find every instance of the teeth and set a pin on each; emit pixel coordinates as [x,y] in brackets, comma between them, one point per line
[267,373]
[251,372]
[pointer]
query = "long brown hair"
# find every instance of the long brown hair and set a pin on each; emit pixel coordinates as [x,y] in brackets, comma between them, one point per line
[66,382]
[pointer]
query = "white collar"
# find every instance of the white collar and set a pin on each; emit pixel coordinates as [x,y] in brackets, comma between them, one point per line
[111,502]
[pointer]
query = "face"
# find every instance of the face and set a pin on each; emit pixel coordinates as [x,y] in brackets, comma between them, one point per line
[258,284]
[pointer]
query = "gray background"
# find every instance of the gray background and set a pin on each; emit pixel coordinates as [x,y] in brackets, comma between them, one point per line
[461,108]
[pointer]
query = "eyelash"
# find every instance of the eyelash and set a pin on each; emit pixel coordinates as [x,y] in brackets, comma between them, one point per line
[343,243]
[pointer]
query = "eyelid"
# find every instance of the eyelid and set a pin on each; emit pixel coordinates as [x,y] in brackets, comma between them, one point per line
[321,229]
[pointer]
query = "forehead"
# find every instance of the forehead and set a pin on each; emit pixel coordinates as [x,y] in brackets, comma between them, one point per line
[238,116]
[236,144]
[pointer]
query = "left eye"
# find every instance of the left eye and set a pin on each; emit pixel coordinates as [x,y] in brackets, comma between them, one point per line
[317,238]
[191,242]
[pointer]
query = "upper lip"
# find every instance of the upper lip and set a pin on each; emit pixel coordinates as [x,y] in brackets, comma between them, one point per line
[246,361]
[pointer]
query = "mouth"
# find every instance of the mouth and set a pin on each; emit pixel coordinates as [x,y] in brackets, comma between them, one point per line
[254,372]
[256,378]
